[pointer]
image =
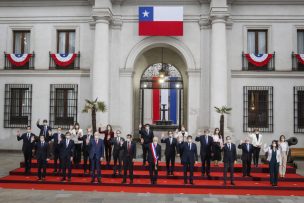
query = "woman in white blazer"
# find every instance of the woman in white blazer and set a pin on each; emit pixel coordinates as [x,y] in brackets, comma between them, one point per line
[284,149]
[257,141]
[274,158]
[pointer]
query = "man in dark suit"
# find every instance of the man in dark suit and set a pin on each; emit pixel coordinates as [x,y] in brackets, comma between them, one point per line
[67,148]
[44,129]
[129,152]
[229,159]
[146,135]
[28,138]
[56,137]
[85,149]
[154,156]
[206,148]
[96,154]
[189,157]
[247,151]
[42,157]
[117,142]
[170,152]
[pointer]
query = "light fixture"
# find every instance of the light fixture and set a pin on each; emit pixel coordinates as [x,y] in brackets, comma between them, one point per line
[177,85]
[162,72]
[145,85]
[161,80]
[252,107]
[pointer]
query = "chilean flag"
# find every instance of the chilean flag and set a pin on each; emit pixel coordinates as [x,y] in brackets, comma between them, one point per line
[160,21]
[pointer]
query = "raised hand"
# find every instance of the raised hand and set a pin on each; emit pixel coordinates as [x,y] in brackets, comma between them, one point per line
[142,141]
[140,126]
[18,133]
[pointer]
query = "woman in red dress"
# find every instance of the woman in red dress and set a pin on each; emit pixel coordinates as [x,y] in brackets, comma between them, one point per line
[107,142]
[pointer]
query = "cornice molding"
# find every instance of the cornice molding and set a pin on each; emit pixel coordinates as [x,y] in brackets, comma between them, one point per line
[266,74]
[45,73]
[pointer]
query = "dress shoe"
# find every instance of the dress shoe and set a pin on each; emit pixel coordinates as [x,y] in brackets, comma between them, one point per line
[203,175]
[99,180]
[244,176]
[172,174]
[131,182]
[209,176]
[39,179]
[92,180]
[232,183]
[249,176]
[69,179]
[123,182]
[191,182]
[63,179]
[185,182]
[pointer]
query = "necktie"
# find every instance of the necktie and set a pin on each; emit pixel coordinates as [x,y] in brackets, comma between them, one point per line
[28,136]
[42,144]
[171,141]
[44,130]
[248,147]
[118,139]
[206,139]
[190,146]
[229,147]
[129,147]
[67,143]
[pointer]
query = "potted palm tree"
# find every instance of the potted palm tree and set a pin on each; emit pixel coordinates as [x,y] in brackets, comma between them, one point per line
[222,110]
[94,106]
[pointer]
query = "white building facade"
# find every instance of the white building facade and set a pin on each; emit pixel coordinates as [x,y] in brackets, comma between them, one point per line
[112,58]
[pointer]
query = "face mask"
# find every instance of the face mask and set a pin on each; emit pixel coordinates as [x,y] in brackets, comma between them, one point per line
[283,139]
[128,140]
[229,141]
[41,140]
[68,137]
[189,140]
[155,142]
[45,123]
[28,131]
[170,135]
[96,137]
[274,145]
[147,128]
[118,134]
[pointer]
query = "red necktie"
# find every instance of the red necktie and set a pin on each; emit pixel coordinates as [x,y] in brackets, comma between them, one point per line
[129,147]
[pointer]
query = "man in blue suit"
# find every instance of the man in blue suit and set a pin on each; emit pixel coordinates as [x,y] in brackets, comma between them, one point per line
[189,157]
[56,137]
[229,159]
[96,147]
[67,148]
[206,148]
[44,129]
[42,157]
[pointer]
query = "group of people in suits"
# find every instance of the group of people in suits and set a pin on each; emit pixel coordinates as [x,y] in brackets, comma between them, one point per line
[94,149]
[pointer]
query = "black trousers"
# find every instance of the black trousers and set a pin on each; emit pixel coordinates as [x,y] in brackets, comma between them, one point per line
[27,160]
[205,164]
[66,164]
[77,154]
[256,155]
[230,165]
[153,172]
[145,150]
[170,159]
[95,165]
[117,158]
[246,166]
[274,171]
[56,153]
[108,151]
[41,168]
[128,165]
[85,160]
[188,167]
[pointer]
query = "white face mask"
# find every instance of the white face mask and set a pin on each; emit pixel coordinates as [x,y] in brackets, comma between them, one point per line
[228,141]
[68,137]
[96,137]
[155,142]
[128,140]
[189,140]
[45,124]
[274,145]
[170,135]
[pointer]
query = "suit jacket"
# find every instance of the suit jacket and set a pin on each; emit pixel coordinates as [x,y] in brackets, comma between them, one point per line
[42,151]
[268,150]
[188,155]
[85,146]
[56,136]
[256,141]
[147,136]
[229,155]
[206,148]
[246,155]
[150,153]
[117,146]
[44,130]
[27,144]
[129,154]
[170,148]
[66,151]
[96,149]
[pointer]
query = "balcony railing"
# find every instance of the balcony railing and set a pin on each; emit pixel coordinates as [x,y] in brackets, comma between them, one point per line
[73,66]
[296,64]
[8,65]
[247,66]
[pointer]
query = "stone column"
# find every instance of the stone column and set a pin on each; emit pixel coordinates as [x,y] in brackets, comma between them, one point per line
[100,75]
[218,65]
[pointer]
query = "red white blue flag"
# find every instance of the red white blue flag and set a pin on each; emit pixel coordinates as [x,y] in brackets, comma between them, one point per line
[300,58]
[19,59]
[258,59]
[161,20]
[64,59]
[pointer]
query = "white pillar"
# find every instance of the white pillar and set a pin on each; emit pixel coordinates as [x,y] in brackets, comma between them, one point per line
[218,67]
[100,72]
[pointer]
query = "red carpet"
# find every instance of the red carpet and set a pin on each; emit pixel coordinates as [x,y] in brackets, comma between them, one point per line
[292,184]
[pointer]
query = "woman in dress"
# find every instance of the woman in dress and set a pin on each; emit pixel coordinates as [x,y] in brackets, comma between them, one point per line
[217,146]
[108,135]
[284,149]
